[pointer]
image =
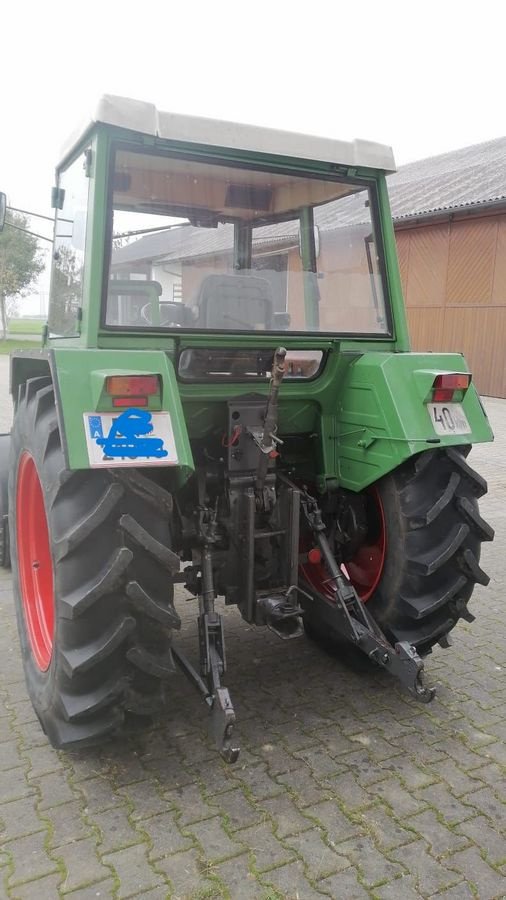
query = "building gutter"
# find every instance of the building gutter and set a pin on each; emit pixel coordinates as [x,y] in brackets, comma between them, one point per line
[436,216]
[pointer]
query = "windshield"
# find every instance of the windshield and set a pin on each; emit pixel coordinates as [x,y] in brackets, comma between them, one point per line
[210,247]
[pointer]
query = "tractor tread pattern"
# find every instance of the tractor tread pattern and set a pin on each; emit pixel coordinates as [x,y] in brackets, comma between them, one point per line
[79,706]
[21,392]
[472,516]
[52,439]
[161,666]
[475,481]
[437,508]
[92,520]
[431,562]
[150,492]
[430,632]
[434,550]
[81,659]
[144,602]
[469,564]
[143,538]
[85,732]
[114,594]
[109,578]
[35,386]
[425,605]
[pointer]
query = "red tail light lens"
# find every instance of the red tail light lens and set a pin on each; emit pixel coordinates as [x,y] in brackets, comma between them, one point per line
[129,401]
[446,385]
[132,385]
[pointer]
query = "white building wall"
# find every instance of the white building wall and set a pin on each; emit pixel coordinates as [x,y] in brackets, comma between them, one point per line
[169,275]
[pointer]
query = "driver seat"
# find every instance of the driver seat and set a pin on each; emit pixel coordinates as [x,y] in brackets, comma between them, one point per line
[235,303]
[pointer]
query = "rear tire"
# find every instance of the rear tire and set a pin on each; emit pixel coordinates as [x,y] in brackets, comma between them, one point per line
[433,535]
[112,604]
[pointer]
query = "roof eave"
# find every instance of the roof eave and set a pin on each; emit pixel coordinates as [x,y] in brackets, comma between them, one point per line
[450,212]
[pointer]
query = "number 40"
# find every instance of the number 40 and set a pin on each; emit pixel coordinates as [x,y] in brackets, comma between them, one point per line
[445,418]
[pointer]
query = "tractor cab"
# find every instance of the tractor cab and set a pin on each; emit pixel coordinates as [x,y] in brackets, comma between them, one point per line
[215,230]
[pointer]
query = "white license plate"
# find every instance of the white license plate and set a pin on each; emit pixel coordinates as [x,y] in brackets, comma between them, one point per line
[448,418]
[130,437]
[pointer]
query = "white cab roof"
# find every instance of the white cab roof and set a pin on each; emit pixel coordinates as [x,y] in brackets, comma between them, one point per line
[147,119]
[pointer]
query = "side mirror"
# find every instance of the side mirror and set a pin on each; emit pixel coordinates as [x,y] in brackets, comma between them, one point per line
[3,210]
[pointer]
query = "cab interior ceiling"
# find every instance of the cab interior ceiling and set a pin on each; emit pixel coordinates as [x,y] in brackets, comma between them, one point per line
[177,187]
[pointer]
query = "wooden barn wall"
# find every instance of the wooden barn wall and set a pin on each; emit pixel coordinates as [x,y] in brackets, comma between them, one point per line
[454,281]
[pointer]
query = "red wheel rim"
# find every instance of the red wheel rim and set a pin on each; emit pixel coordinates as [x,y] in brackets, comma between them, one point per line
[34,563]
[366,567]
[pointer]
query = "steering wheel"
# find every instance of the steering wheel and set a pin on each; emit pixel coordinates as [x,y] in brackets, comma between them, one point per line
[146,315]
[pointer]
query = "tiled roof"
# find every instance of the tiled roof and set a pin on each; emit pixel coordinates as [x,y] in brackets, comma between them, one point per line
[188,242]
[470,177]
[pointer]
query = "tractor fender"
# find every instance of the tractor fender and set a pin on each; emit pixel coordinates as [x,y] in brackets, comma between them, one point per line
[79,379]
[383,416]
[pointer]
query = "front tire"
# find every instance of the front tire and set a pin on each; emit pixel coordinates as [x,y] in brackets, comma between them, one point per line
[92,582]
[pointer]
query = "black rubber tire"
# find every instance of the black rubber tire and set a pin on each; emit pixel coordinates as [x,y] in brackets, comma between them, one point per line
[434,534]
[112,563]
[5,555]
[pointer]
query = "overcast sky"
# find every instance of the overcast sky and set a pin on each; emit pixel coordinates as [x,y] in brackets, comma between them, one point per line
[422,76]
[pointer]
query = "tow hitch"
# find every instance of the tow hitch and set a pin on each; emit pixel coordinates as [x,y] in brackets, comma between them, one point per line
[222,715]
[212,648]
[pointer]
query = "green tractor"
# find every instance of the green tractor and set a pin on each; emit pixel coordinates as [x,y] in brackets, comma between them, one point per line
[225,399]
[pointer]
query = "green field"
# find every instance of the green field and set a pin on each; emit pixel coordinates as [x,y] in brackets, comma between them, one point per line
[9,346]
[26,326]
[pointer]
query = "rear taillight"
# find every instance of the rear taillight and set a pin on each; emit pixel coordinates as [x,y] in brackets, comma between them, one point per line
[129,401]
[131,390]
[446,387]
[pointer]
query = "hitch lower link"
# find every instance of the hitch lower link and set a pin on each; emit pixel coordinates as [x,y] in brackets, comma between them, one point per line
[217,697]
[348,616]
[213,662]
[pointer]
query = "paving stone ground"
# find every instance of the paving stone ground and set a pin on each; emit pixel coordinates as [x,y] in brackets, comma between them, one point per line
[345,788]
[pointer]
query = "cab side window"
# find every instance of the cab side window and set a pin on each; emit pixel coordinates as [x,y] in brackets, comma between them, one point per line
[69,251]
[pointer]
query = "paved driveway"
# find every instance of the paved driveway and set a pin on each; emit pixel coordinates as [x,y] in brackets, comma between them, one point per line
[345,787]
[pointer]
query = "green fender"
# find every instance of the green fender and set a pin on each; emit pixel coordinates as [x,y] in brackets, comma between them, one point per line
[382,417]
[373,414]
[79,380]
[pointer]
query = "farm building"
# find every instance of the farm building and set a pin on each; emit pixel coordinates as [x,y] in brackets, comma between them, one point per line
[450,221]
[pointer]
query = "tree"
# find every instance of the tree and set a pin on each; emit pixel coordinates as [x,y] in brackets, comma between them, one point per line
[65,289]
[20,264]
